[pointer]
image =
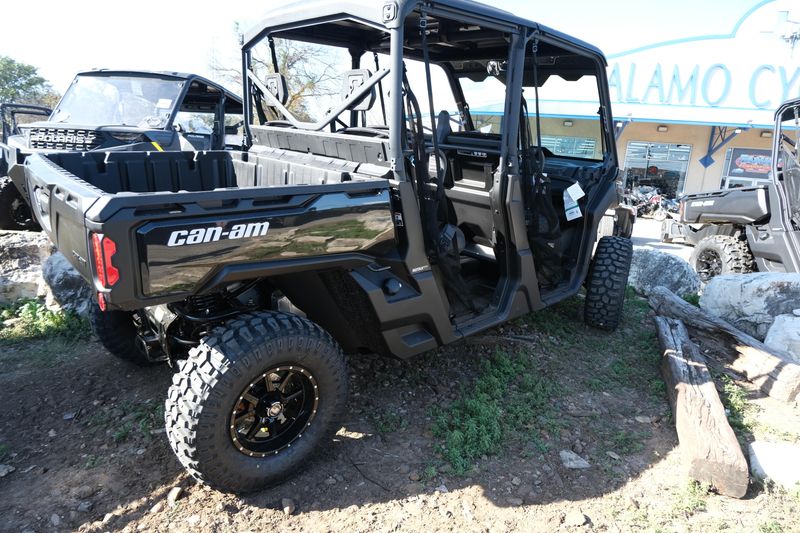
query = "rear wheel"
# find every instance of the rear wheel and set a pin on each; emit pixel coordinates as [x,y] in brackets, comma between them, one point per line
[14,212]
[116,331]
[718,255]
[606,283]
[255,400]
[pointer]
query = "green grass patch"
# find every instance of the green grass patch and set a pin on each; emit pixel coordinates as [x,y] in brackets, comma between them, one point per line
[693,299]
[5,451]
[734,398]
[692,499]
[505,399]
[389,422]
[30,320]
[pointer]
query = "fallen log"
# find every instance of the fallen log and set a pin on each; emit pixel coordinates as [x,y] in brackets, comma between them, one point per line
[708,445]
[772,371]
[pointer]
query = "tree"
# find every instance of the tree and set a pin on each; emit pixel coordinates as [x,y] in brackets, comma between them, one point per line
[20,82]
[309,69]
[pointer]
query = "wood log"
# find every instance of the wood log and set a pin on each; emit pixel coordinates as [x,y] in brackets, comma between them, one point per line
[708,445]
[772,371]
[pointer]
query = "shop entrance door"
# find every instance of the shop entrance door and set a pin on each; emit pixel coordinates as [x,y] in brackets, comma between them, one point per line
[659,165]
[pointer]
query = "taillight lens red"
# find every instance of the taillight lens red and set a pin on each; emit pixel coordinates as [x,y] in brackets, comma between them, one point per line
[103,249]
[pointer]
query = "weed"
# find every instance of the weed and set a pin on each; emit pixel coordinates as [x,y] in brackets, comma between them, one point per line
[628,442]
[693,299]
[4,451]
[770,527]
[429,473]
[34,321]
[737,408]
[692,499]
[91,462]
[122,432]
[504,399]
[389,422]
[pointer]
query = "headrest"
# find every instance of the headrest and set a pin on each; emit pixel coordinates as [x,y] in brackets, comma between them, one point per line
[353,79]
[276,84]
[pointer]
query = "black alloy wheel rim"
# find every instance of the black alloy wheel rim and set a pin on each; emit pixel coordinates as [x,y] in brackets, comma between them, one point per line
[274,410]
[709,264]
[20,212]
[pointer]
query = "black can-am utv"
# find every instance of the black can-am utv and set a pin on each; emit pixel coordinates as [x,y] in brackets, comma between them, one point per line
[423,190]
[106,110]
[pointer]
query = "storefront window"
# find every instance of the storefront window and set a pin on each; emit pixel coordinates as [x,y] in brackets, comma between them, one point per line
[746,167]
[659,165]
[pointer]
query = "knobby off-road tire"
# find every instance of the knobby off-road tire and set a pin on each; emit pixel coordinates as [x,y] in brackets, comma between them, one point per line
[216,387]
[117,333]
[14,212]
[606,283]
[717,255]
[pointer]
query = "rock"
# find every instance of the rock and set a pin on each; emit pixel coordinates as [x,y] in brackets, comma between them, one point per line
[156,508]
[442,488]
[21,256]
[84,507]
[69,416]
[572,460]
[174,495]
[516,481]
[784,334]
[751,302]
[67,289]
[83,492]
[613,455]
[404,469]
[288,506]
[192,520]
[6,470]
[330,481]
[516,502]
[643,419]
[653,268]
[414,476]
[51,433]
[778,461]
[575,518]
[107,518]
[55,519]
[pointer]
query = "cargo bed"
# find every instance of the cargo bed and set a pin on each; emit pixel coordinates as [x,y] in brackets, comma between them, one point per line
[748,205]
[187,222]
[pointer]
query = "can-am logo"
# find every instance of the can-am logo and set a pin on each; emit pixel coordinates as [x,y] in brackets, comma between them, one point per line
[215,233]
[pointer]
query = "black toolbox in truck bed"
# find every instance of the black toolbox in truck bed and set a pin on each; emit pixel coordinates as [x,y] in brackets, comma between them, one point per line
[189,221]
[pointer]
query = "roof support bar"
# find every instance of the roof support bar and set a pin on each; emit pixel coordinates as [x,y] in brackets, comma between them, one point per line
[718,138]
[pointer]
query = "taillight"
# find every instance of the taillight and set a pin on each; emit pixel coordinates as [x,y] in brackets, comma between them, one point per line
[103,249]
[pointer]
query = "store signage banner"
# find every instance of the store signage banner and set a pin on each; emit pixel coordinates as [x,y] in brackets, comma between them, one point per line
[749,163]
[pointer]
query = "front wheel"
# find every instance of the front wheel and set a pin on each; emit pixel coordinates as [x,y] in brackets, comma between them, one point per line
[255,400]
[606,283]
[15,214]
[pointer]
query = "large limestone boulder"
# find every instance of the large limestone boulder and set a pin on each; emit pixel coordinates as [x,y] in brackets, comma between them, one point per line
[21,256]
[653,268]
[778,461]
[751,302]
[66,288]
[784,334]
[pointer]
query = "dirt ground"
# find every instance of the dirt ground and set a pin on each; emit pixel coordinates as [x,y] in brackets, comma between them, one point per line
[84,434]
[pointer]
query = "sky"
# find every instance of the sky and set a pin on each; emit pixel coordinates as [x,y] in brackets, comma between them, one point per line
[62,38]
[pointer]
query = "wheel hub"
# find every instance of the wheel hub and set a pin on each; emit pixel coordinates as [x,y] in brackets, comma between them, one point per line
[274,410]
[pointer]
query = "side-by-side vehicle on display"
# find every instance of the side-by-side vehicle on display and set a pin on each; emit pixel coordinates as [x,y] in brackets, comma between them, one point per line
[741,230]
[405,202]
[105,110]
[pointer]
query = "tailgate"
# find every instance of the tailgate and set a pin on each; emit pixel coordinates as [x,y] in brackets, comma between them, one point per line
[59,201]
[727,206]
